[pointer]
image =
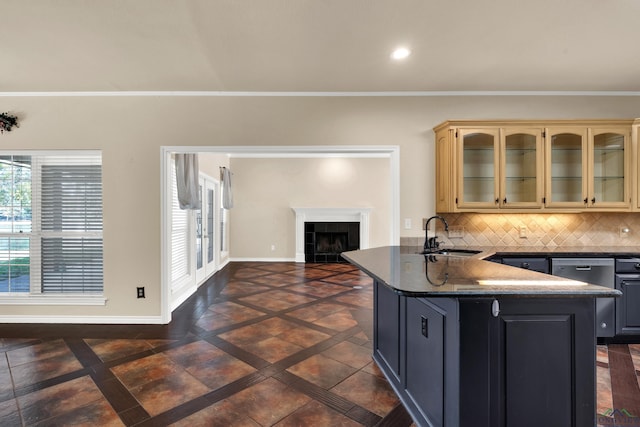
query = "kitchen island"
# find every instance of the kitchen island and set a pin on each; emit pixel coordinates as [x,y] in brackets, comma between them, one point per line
[467,342]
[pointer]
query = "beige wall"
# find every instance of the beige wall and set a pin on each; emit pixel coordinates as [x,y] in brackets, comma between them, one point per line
[131,130]
[210,164]
[266,189]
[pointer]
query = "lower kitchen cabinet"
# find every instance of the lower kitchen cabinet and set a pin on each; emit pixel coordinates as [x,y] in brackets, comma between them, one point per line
[387,330]
[431,359]
[628,305]
[541,359]
[540,264]
[473,362]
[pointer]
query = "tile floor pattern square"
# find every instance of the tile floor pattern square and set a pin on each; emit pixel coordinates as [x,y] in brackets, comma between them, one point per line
[260,344]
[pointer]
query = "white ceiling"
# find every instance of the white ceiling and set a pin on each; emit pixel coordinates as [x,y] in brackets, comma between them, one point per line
[319,45]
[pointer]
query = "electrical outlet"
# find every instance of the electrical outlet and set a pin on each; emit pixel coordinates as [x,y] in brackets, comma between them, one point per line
[273,248]
[456,232]
[424,223]
[141,292]
[407,223]
[523,231]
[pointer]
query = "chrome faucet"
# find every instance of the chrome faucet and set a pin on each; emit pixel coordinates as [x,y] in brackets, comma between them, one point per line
[431,243]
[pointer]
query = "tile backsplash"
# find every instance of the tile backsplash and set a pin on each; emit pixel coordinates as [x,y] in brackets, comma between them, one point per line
[538,230]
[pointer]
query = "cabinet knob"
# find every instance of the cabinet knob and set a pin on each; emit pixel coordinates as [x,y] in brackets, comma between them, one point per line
[497,201]
[603,325]
[495,308]
[637,266]
[504,200]
[585,200]
[525,265]
[593,200]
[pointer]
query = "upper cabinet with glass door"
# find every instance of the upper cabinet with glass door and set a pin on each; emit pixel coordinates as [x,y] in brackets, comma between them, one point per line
[609,162]
[500,168]
[573,165]
[587,168]
[521,166]
[478,155]
[566,168]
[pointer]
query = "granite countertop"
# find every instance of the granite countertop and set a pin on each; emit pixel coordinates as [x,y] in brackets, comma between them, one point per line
[412,274]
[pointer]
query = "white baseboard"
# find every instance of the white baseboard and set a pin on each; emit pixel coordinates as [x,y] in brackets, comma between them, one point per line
[263,259]
[87,320]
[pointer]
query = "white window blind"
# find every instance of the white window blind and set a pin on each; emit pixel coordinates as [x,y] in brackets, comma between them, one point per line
[71,254]
[179,237]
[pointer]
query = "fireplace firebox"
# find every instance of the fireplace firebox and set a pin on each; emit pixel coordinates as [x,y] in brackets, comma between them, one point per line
[325,241]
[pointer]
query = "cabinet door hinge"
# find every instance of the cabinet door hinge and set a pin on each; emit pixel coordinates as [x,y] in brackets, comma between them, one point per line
[456,134]
[544,200]
[544,134]
[456,200]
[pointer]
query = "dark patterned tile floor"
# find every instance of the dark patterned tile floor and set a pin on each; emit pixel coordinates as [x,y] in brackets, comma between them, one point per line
[259,344]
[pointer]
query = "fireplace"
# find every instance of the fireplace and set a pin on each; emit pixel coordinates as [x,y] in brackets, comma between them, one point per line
[325,241]
[356,221]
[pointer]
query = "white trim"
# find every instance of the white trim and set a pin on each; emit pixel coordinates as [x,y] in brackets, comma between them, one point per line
[308,155]
[48,299]
[182,294]
[390,151]
[289,150]
[103,320]
[394,171]
[165,236]
[214,93]
[360,215]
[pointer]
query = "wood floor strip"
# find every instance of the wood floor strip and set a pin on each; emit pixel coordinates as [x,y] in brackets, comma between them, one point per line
[624,384]
[398,417]
[318,393]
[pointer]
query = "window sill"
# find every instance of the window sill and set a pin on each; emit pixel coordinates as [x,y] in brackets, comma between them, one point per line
[58,299]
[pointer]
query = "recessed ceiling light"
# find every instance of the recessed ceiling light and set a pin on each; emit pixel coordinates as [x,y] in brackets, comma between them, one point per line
[400,53]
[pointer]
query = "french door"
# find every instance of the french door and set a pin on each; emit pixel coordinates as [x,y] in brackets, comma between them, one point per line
[206,241]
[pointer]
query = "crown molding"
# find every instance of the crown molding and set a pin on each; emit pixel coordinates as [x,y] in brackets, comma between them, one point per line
[213,94]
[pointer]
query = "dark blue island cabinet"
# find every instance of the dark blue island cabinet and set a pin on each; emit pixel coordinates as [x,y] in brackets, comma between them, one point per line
[488,362]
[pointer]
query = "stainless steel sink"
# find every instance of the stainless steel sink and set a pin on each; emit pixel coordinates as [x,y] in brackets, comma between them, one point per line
[452,252]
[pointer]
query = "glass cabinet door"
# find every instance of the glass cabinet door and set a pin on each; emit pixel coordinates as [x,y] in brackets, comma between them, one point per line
[478,168]
[566,168]
[608,187]
[521,166]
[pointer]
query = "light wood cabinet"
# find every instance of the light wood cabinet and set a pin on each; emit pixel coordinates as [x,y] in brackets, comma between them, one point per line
[478,166]
[588,168]
[445,168]
[566,167]
[527,166]
[635,141]
[521,168]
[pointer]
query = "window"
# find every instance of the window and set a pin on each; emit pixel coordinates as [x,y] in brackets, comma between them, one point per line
[180,262]
[51,224]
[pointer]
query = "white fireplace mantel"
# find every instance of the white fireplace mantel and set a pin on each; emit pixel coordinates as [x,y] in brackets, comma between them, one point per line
[303,215]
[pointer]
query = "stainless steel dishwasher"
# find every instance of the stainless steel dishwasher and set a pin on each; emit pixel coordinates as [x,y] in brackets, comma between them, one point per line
[597,271]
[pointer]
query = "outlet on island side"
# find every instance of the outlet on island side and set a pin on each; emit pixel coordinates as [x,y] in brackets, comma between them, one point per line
[140,292]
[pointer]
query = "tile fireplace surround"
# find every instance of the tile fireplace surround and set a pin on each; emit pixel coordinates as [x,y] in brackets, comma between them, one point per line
[360,215]
[542,230]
